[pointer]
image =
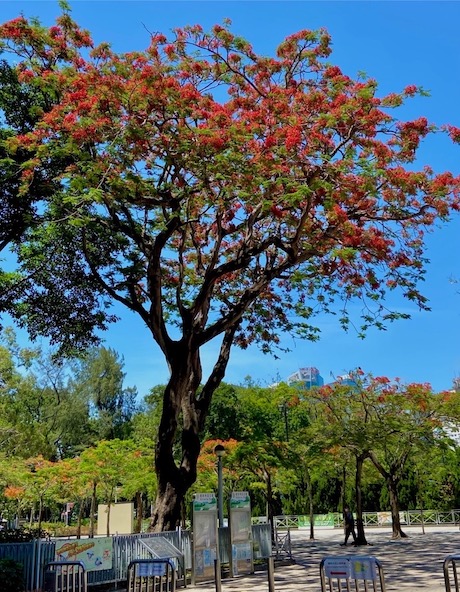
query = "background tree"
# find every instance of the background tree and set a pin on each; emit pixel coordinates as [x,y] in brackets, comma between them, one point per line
[147,419]
[405,420]
[224,420]
[218,194]
[387,422]
[231,469]
[40,486]
[262,462]
[343,421]
[310,459]
[73,488]
[99,380]
[138,479]
[42,413]
[14,490]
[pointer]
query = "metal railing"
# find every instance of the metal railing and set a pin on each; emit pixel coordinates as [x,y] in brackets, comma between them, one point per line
[65,576]
[351,573]
[449,568]
[35,555]
[151,575]
[283,548]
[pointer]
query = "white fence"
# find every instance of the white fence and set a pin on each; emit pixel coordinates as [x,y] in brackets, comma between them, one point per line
[381,519]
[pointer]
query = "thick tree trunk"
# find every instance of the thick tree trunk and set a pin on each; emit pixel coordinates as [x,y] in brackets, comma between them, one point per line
[394,505]
[361,537]
[174,479]
[167,505]
[184,398]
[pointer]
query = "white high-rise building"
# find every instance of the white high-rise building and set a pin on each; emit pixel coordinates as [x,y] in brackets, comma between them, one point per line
[308,377]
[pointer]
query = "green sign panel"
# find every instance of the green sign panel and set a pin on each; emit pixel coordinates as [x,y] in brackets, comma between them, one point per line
[240,500]
[204,502]
[320,520]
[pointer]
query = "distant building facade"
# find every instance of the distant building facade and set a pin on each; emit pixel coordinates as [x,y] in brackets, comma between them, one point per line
[307,377]
[345,379]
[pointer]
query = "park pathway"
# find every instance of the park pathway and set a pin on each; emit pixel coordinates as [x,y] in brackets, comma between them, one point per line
[409,565]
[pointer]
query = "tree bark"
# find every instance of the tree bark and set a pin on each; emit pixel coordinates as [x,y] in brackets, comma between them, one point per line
[343,487]
[40,511]
[92,512]
[361,537]
[167,505]
[186,400]
[175,478]
[109,506]
[139,512]
[311,506]
[397,533]
[268,482]
[80,517]
[392,482]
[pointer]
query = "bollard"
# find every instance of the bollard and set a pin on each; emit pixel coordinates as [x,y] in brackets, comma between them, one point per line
[271,574]
[217,575]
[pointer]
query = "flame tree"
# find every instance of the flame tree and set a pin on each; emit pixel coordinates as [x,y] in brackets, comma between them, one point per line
[219,194]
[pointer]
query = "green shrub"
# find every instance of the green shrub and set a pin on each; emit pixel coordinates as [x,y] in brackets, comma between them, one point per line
[11,576]
[59,529]
[22,535]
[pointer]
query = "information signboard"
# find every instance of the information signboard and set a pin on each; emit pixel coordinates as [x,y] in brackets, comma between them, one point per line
[204,507]
[337,567]
[363,568]
[354,568]
[95,554]
[240,533]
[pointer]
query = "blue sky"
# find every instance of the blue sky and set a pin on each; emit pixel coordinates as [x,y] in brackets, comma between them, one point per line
[398,43]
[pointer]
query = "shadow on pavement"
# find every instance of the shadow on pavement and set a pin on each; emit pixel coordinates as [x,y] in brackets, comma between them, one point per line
[414,563]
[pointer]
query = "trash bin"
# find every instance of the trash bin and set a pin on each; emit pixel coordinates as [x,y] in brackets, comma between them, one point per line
[49,580]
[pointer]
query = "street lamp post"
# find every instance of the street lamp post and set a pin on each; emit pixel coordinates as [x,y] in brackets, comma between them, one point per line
[219,451]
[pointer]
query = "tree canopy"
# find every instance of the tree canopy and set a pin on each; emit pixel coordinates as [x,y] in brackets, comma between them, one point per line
[215,192]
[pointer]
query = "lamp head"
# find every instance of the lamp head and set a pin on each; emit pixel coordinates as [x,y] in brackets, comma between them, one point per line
[219,450]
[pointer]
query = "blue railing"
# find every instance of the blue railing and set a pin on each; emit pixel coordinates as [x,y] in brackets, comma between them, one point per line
[37,554]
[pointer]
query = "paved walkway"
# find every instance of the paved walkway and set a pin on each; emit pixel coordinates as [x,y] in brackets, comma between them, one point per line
[409,565]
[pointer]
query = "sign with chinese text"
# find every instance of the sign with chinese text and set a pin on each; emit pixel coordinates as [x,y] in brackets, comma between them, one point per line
[95,554]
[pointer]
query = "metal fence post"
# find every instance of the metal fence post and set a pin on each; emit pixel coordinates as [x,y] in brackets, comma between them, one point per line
[218,575]
[271,574]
